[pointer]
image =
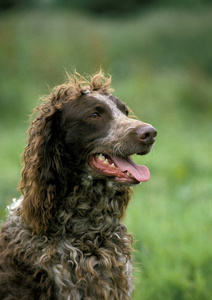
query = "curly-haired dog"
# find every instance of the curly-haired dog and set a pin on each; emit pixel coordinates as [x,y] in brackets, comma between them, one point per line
[63,239]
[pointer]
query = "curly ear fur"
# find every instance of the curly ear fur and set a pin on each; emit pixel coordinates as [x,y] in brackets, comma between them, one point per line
[39,174]
[44,174]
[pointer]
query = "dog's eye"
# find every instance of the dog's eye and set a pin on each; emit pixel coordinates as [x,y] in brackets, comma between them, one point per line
[127,112]
[95,115]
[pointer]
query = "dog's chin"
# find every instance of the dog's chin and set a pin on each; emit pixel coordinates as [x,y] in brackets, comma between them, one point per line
[126,181]
[121,170]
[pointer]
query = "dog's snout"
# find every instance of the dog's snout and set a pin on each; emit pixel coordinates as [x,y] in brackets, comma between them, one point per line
[146,134]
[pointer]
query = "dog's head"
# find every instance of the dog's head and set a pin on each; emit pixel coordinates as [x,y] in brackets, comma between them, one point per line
[100,134]
[82,130]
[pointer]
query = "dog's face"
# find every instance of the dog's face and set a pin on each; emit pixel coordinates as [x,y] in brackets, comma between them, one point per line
[99,133]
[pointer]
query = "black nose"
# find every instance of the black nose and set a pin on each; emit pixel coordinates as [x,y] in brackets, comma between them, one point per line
[146,134]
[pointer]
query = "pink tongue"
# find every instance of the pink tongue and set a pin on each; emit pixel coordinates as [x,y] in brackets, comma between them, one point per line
[141,173]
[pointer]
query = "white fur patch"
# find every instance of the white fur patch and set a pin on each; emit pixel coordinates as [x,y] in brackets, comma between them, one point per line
[15,205]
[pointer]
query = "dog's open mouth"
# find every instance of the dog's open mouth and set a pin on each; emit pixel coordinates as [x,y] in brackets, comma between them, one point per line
[122,169]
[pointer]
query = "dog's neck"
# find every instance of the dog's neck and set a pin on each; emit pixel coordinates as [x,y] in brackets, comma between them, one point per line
[93,205]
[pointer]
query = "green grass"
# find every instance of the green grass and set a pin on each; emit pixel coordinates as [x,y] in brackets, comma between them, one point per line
[161,65]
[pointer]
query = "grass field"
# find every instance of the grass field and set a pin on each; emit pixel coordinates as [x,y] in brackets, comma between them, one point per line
[161,64]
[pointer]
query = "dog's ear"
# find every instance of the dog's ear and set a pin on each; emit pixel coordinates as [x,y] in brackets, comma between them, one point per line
[41,171]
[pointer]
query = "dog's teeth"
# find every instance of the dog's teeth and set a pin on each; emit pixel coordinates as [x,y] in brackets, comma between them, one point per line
[104,159]
[128,173]
[101,157]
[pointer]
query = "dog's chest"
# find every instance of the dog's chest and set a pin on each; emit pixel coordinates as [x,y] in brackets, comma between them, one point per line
[77,270]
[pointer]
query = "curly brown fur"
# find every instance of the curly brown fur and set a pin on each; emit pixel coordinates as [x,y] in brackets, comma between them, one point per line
[63,239]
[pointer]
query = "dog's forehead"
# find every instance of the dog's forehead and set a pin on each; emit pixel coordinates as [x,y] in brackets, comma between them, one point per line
[115,104]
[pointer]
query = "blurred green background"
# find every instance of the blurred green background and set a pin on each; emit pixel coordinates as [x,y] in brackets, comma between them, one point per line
[160,56]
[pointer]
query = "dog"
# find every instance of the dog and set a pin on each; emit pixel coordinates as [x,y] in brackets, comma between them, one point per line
[64,238]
